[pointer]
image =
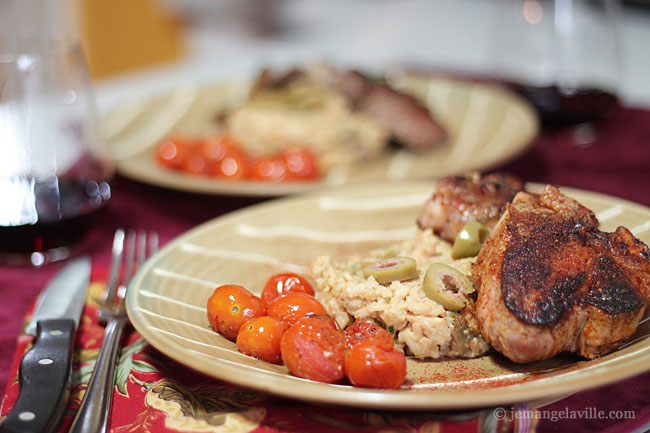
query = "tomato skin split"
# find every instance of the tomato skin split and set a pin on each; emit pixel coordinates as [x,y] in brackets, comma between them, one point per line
[314,349]
[360,331]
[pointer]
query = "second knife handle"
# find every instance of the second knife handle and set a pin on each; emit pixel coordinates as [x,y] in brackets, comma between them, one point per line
[44,379]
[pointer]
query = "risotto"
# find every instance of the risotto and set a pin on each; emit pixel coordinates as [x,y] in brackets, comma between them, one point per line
[421,326]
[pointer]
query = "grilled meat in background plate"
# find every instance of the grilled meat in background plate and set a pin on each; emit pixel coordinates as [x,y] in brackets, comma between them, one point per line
[409,122]
[549,281]
[406,119]
[457,200]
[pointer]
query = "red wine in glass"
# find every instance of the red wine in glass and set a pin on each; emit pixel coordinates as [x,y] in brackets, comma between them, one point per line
[54,216]
[558,107]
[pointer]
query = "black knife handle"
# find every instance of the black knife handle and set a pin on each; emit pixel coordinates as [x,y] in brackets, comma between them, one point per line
[44,380]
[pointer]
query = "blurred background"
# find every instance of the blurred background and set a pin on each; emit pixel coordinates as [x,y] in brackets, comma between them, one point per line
[149,44]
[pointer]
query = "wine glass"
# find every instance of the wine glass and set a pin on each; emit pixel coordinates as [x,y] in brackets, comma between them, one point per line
[53,166]
[561,55]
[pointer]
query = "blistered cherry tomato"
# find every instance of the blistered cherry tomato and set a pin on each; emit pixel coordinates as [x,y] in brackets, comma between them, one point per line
[230,306]
[231,164]
[300,163]
[374,364]
[173,152]
[294,306]
[194,164]
[359,332]
[232,167]
[269,169]
[260,338]
[213,149]
[313,348]
[281,284]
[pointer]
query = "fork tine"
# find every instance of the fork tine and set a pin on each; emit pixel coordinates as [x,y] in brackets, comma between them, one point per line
[116,261]
[153,243]
[142,247]
[130,257]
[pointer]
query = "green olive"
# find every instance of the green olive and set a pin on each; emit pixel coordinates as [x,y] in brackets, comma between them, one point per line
[460,332]
[446,286]
[395,268]
[469,240]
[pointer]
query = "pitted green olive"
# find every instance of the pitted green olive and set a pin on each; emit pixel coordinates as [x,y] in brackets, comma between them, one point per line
[446,286]
[392,269]
[469,240]
[460,333]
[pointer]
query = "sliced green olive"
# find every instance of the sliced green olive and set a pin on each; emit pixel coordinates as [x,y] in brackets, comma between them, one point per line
[460,333]
[392,269]
[469,240]
[446,286]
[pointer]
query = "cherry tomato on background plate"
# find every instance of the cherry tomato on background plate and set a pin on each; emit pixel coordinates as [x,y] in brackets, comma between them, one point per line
[268,169]
[233,166]
[224,158]
[195,164]
[230,306]
[173,152]
[301,164]
[214,149]
[281,284]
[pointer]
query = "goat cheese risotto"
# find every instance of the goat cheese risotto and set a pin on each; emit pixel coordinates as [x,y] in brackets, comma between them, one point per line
[420,325]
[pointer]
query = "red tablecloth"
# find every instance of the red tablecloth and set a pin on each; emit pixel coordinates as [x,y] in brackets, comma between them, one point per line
[617,164]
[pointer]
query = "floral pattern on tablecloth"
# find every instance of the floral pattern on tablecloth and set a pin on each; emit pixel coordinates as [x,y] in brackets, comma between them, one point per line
[155,394]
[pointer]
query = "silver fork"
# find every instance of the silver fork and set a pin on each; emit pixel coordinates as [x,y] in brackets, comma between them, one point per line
[95,406]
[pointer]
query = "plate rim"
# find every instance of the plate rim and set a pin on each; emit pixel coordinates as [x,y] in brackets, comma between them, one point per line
[409,399]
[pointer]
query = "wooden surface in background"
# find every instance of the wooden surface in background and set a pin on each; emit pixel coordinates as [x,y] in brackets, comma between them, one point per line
[119,35]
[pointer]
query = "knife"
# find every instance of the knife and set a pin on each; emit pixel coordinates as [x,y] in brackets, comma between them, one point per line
[45,370]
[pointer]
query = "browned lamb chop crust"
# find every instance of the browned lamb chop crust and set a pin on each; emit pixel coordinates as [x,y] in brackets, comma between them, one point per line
[549,281]
[409,122]
[456,200]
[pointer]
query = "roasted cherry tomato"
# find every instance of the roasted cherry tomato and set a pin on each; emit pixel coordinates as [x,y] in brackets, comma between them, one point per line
[313,348]
[233,165]
[214,149]
[294,306]
[269,169]
[300,163]
[195,164]
[374,364]
[359,332]
[173,152]
[281,284]
[260,338]
[230,306]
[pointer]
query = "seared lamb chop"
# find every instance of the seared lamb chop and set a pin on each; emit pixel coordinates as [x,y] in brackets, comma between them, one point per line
[549,281]
[408,121]
[457,200]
